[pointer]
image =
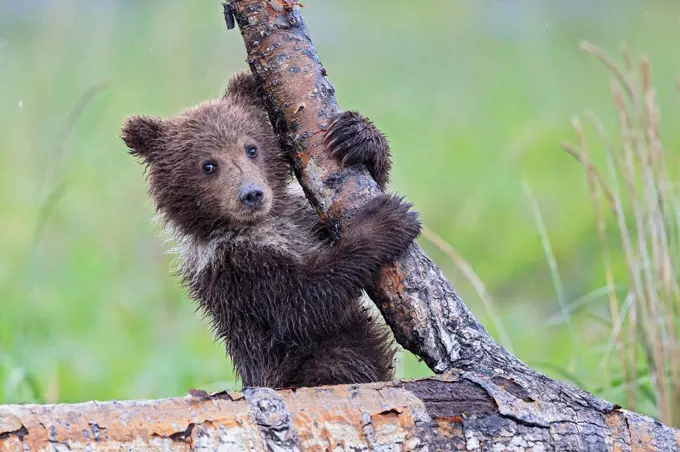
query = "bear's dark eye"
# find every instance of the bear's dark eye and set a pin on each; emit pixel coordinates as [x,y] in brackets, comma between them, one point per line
[209,167]
[251,151]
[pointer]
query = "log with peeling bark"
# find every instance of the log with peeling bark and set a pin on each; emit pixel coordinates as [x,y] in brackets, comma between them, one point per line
[432,414]
[485,399]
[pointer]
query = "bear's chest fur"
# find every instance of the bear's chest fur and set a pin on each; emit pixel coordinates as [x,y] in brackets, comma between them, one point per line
[291,233]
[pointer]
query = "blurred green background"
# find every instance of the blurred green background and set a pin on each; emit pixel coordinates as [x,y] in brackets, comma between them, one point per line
[475,97]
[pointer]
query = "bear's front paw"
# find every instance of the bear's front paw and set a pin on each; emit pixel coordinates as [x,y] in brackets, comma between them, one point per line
[391,221]
[354,139]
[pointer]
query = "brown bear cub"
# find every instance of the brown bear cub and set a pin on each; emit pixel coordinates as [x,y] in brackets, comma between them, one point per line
[284,297]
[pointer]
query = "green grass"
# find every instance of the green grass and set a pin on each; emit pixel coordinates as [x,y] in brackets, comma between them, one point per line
[637,197]
[474,96]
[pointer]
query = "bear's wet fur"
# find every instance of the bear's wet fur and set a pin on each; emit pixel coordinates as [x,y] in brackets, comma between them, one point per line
[284,297]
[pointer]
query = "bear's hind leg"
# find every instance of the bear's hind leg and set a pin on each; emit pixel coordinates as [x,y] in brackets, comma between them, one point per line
[333,365]
[366,356]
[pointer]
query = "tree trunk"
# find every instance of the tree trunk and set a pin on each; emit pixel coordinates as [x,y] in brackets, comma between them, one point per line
[430,414]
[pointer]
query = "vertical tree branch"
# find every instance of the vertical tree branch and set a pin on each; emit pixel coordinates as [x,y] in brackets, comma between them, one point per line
[425,313]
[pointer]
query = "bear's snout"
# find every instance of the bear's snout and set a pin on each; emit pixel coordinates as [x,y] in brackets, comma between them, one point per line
[251,196]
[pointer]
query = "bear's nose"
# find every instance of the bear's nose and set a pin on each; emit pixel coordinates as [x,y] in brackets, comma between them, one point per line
[251,196]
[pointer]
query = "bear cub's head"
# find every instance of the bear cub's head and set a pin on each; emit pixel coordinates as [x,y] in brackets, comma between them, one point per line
[216,165]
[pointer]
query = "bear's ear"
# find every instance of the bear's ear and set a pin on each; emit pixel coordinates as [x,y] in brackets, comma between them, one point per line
[245,89]
[142,135]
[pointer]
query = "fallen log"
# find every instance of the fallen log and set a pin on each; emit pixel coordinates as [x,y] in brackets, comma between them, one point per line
[429,414]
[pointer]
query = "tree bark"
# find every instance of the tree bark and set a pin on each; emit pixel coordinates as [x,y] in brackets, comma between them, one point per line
[431,414]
